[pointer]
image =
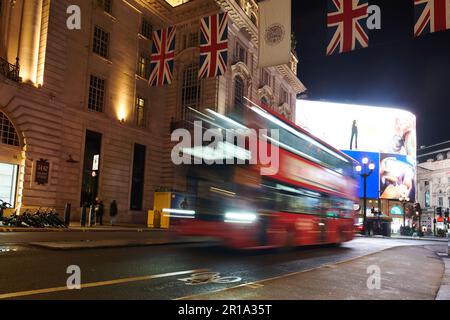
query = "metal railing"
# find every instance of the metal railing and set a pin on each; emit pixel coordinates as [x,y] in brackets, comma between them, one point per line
[10,71]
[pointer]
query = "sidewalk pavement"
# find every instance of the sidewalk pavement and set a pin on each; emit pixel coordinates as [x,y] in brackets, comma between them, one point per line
[402,278]
[76,227]
[405,238]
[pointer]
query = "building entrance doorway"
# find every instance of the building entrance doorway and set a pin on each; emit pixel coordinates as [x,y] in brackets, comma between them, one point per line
[10,161]
[89,186]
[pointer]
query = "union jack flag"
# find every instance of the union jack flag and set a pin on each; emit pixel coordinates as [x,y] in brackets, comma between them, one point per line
[163,54]
[213,45]
[431,16]
[347,25]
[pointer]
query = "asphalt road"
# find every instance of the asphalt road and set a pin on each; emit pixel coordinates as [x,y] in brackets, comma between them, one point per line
[112,273]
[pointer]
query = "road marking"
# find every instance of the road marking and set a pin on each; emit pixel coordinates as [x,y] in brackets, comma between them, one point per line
[98,284]
[260,283]
[254,285]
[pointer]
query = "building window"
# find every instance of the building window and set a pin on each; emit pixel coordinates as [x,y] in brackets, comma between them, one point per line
[240,53]
[101,39]
[146,29]
[265,78]
[440,202]
[427,199]
[440,157]
[97,88]
[138,178]
[141,112]
[427,183]
[8,134]
[8,182]
[190,93]
[239,92]
[284,96]
[190,40]
[106,5]
[144,67]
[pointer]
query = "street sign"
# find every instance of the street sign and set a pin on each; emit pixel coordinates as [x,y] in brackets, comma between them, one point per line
[96,162]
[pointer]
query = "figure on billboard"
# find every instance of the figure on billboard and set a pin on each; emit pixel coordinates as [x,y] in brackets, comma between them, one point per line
[354,135]
[403,141]
[396,178]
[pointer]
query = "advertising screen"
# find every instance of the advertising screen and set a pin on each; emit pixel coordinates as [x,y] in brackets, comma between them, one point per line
[357,127]
[386,136]
[397,177]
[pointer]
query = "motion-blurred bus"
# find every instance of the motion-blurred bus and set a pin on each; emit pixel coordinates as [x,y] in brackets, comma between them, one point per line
[308,201]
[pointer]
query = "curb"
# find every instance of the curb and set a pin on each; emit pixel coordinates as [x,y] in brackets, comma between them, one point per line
[78,229]
[49,246]
[444,290]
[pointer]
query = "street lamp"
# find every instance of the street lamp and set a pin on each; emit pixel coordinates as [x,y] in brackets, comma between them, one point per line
[365,171]
[404,199]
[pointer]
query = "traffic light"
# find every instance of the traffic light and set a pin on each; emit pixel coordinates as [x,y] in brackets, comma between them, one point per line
[446,212]
[439,211]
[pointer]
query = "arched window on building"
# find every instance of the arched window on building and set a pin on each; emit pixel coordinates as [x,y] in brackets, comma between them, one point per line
[448,155]
[190,93]
[239,93]
[440,157]
[8,134]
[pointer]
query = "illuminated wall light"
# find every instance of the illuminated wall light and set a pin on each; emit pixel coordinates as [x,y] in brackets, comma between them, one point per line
[122,115]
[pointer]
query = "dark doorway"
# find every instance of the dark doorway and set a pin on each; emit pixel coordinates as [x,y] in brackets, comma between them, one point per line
[89,186]
[137,182]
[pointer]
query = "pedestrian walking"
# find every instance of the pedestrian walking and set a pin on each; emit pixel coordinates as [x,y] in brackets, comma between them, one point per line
[99,211]
[113,212]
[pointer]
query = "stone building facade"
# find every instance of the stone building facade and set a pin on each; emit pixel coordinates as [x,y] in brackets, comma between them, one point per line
[67,95]
[433,179]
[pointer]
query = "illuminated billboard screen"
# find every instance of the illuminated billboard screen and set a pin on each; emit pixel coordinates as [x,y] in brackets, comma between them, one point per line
[386,136]
[362,128]
[397,176]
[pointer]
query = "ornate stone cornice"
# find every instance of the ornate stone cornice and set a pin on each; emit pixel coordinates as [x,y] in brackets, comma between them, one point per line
[240,18]
[242,69]
[291,77]
[265,91]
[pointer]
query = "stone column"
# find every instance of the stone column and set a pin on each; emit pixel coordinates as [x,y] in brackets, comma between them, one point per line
[30,39]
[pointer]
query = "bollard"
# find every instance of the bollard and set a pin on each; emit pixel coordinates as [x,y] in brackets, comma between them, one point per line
[91,215]
[83,216]
[67,209]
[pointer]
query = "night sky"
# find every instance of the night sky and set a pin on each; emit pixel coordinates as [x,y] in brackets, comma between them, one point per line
[397,70]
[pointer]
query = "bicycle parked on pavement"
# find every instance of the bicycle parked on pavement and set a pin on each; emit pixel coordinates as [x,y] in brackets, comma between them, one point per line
[41,218]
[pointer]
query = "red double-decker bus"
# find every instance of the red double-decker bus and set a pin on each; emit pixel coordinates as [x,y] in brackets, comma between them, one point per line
[309,200]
